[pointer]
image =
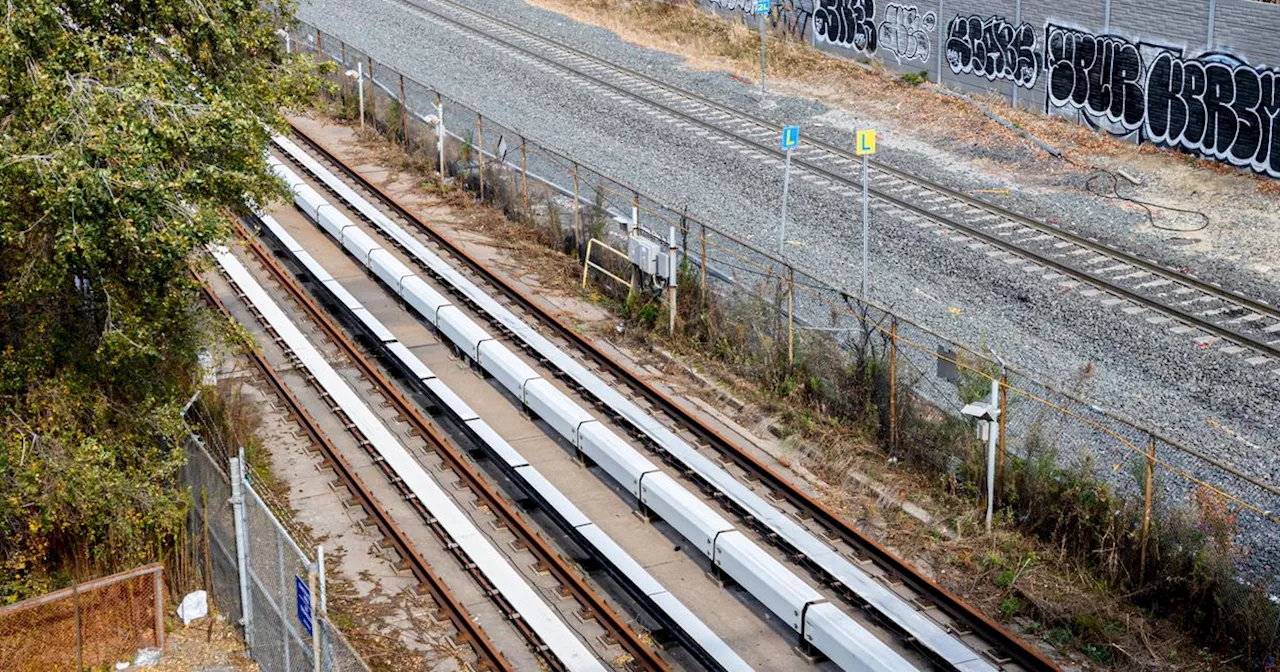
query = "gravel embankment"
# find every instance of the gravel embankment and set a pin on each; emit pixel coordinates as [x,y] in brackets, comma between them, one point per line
[1140,370]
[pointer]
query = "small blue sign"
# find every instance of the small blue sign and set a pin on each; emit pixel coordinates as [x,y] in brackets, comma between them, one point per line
[304,603]
[790,137]
[762,6]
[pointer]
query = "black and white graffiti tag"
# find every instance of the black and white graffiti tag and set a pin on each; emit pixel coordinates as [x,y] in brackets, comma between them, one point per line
[846,23]
[993,48]
[1100,75]
[1217,106]
[792,17]
[905,32]
[744,6]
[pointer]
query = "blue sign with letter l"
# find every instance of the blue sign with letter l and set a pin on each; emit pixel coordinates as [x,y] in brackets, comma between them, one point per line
[790,137]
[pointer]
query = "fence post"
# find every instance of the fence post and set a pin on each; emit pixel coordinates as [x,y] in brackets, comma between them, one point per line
[315,621]
[75,602]
[672,275]
[319,48]
[480,152]
[404,118]
[893,385]
[1146,510]
[284,599]
[373,94]
[577,225]
[1004,420]
[342,73]
[360,90]
[242,544]
[157,578]
[703,258]
[440,135]
[524,178]
[791,316]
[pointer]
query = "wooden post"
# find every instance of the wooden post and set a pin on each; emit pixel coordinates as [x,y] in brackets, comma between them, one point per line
[524,177]
[893,385]
[1004,421]
[342,73]
[75,602]
[480,152]
[1146,511]
[577,225]
[791,316]
[703,258]
[319,48]
[404,118]
[373,95]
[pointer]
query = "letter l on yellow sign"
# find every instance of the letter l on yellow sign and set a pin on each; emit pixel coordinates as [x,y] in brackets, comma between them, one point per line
[866,142]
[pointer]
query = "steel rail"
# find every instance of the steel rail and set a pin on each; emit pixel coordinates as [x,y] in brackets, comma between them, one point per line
[470,632]
[644,655]
[1172,275]
[1006,642]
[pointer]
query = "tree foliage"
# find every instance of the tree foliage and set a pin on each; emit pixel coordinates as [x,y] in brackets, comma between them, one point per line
[128,128]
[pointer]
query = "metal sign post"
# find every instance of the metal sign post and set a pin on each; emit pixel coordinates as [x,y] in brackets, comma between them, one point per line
[360,88]
[866,147]
[762,10]
[790,139]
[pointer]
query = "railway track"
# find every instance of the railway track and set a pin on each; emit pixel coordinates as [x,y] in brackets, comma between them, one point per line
[806,520]
[470,634]
[495,585]
[1168,297]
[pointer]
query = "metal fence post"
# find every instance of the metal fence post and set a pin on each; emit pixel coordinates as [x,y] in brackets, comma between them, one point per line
[577,220]
[157,580]
[703,258]
[404,118]
[893,385]
[791,316]
[284,599]
[440,135]
[75,603]
[342,91]
[242,544]
[312,580]
[1004,420]
[672,275]
[1148,496]
[480,152]
[524,177]
[360,90]
[373,94]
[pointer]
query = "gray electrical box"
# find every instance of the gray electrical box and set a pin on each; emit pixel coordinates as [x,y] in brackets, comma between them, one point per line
[643,253]
[664,265]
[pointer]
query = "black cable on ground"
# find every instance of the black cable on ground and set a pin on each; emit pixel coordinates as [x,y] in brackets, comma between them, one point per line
[1114,194]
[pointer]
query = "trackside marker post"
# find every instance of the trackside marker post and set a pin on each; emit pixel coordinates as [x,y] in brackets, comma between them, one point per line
[790,139]
[866,147]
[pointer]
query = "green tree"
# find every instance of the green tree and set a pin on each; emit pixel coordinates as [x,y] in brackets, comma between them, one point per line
[128,129]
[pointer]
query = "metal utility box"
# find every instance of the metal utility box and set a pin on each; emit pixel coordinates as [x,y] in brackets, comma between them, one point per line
[643,253]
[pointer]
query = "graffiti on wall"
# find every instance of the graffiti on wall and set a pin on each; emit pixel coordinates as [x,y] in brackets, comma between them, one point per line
[905,32]
[1215,104]
[1100,75]
[846,23]
[792,17]
[993,48]
[743,6]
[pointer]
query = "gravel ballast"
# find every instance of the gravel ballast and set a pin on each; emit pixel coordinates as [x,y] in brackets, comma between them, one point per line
[1139,369]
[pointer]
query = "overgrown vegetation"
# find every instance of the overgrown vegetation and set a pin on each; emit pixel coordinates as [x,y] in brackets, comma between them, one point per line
[835,396]
[126,131]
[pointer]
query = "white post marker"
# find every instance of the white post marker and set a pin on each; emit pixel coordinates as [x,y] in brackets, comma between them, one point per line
[762,10]
[360,88]
[790,139]
[993,439]
[866,147]
[440,132]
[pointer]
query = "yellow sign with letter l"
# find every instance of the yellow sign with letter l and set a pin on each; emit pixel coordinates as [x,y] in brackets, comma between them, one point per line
[866,142]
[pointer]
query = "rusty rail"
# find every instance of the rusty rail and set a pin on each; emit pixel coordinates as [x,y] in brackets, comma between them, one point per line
[1007,643]
[469,631]
[644,655]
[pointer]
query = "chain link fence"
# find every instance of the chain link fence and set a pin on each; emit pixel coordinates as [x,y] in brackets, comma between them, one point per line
[89,625]
[854,356]
[257,574]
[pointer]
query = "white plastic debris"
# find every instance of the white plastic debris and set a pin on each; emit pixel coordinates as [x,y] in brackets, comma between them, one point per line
[122,665]
[194,605]
[147,656]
